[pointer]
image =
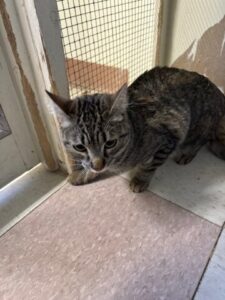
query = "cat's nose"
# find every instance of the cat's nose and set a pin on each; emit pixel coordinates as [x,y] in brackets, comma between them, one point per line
[98,164]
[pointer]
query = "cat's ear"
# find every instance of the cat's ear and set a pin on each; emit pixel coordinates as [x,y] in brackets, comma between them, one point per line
[64,108]
[66,105]
[119,104]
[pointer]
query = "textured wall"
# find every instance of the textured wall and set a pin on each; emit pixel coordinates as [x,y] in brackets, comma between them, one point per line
[196,38]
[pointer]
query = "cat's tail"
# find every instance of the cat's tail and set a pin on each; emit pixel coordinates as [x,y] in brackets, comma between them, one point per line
[217,146]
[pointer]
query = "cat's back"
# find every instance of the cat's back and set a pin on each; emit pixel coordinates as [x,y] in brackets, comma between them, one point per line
[179,85]
[161,79]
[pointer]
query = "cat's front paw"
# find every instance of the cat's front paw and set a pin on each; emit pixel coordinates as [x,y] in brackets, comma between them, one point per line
[183,159]
[137,185]
[81,177]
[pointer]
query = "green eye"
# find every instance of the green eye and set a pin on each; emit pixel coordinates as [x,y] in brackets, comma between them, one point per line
[79,148]
[110,144]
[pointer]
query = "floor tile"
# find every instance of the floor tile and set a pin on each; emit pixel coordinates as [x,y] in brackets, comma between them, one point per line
[198,186]
[213,282]
[100,241]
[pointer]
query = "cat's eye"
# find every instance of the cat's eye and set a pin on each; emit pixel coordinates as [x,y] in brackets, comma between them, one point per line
[79,148]
[110,144]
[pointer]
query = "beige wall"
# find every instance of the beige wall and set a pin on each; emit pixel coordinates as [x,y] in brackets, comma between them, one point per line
[195,37]
[190,19]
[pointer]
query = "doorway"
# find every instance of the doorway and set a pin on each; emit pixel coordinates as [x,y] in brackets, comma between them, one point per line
[17,149]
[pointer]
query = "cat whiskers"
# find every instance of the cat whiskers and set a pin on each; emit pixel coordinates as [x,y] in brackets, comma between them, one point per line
[77,164]
[83,172]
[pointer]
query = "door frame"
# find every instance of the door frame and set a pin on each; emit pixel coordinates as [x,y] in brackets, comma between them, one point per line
[31,73]
[18,151]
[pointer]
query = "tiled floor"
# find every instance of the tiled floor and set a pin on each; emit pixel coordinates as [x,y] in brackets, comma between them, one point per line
[102,242]
[199,186]
[213,283]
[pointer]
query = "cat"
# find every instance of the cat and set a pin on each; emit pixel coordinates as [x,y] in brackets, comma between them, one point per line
[164,111]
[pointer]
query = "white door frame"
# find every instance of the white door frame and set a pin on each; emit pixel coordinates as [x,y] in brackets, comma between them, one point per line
[17,150]
[31,74]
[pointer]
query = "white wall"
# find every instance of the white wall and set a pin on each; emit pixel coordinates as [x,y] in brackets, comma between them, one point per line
[188,20]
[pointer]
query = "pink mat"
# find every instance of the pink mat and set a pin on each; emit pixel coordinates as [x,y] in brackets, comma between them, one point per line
[102,242]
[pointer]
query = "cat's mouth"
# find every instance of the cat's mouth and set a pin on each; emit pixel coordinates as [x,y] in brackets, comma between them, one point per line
[99,171]
[96,166]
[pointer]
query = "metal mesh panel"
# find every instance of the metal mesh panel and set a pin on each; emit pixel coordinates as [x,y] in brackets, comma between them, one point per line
[107,42]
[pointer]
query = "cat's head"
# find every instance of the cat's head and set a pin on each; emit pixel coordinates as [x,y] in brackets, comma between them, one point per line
[95,128]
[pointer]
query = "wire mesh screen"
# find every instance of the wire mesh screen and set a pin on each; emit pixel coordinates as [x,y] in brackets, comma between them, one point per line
[107,42]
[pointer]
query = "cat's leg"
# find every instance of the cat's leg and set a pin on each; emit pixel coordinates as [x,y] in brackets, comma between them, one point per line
[217,143]
[81,176]
[144,173]
[188,150]
[185,155]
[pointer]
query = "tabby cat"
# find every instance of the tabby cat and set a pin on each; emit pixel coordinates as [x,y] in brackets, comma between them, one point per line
[165,110]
